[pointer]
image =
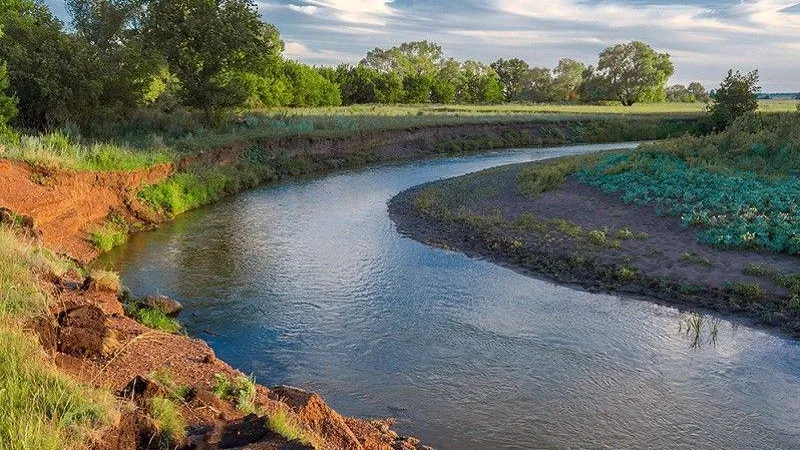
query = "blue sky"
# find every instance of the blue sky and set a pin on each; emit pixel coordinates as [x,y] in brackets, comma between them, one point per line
[705,38]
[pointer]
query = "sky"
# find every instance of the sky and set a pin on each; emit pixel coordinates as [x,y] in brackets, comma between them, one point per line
[704,37]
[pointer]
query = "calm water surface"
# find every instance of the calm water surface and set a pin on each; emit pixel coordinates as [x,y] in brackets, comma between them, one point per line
[309,284]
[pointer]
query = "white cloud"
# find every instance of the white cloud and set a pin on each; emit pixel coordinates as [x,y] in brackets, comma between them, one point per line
[308,10]
[296,50]
[371,12]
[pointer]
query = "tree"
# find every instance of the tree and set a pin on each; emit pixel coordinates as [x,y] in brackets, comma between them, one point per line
[735,97]
[205,42]
[567,80]
[480,84]
[50,73]
[448,78]
[595,86]
[309,87]
[111,31]
[512,73]
[537,85]
[635,72]
[679,93]
[408,58]
[699,91]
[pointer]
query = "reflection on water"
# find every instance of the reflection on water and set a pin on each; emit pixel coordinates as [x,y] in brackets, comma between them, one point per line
[309,284]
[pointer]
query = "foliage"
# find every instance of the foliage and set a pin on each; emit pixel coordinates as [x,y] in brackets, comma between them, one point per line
[694,93]
[8,104]
[740,187]
[512,74]
[735,97]
[635,72]
[567,80]
[205,41]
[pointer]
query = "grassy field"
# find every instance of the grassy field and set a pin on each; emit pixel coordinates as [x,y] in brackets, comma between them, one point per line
[146,137]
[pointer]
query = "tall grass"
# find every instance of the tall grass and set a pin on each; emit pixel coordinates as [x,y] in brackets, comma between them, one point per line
[57,149]
[40,408]
[22,264]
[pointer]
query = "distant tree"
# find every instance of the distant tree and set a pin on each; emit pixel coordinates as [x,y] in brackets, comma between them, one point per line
[595,86]
[635,72]
[735,97]
[448,78]
[537,85]
[567,80]
[512,74]
[308,87]
[408,58]
[679,93]
[699,91]
[205,42]
[480,84]
[8,104]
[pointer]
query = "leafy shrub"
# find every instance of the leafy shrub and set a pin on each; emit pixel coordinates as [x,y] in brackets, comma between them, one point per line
[735,208]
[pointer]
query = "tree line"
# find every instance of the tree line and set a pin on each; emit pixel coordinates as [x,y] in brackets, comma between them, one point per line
[216,54]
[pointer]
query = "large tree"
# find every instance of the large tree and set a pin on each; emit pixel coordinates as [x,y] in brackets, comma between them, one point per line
[111,29]
[513,73]
[635,72]
[567,80]
[735,97]
[204,42]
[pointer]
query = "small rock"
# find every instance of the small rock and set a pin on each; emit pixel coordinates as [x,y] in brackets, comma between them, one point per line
[209,358]
[84,332]
[162,303]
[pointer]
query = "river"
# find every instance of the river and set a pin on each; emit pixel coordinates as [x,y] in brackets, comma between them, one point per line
[309,284]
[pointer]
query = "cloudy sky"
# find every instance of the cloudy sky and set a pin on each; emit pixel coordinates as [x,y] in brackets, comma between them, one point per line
[704,37]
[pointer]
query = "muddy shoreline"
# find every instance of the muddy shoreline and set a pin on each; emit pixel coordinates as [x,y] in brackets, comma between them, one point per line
[684,274]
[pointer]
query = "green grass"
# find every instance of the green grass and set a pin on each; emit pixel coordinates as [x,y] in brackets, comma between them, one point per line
[153,318]
[168,420]
[177,392]
[282,423]
[748,291]
[240,390]
[59,150]
[106,280]
[113,233]
[40,408]
[22,265]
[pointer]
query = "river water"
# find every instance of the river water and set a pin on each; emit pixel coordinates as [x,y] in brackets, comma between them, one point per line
[309,284]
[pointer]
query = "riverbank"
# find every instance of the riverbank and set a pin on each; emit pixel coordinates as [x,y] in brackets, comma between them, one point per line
[84,212]
[567,221]
[88,331]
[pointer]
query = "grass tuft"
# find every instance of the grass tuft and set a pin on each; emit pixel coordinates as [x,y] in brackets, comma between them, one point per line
[241,390]
[153,318]
[168,420]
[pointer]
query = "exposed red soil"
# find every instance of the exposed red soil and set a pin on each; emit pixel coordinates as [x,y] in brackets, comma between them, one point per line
[66,205]
[93,341]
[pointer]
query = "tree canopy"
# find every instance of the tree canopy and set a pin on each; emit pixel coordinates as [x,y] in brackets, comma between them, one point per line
[635,72]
